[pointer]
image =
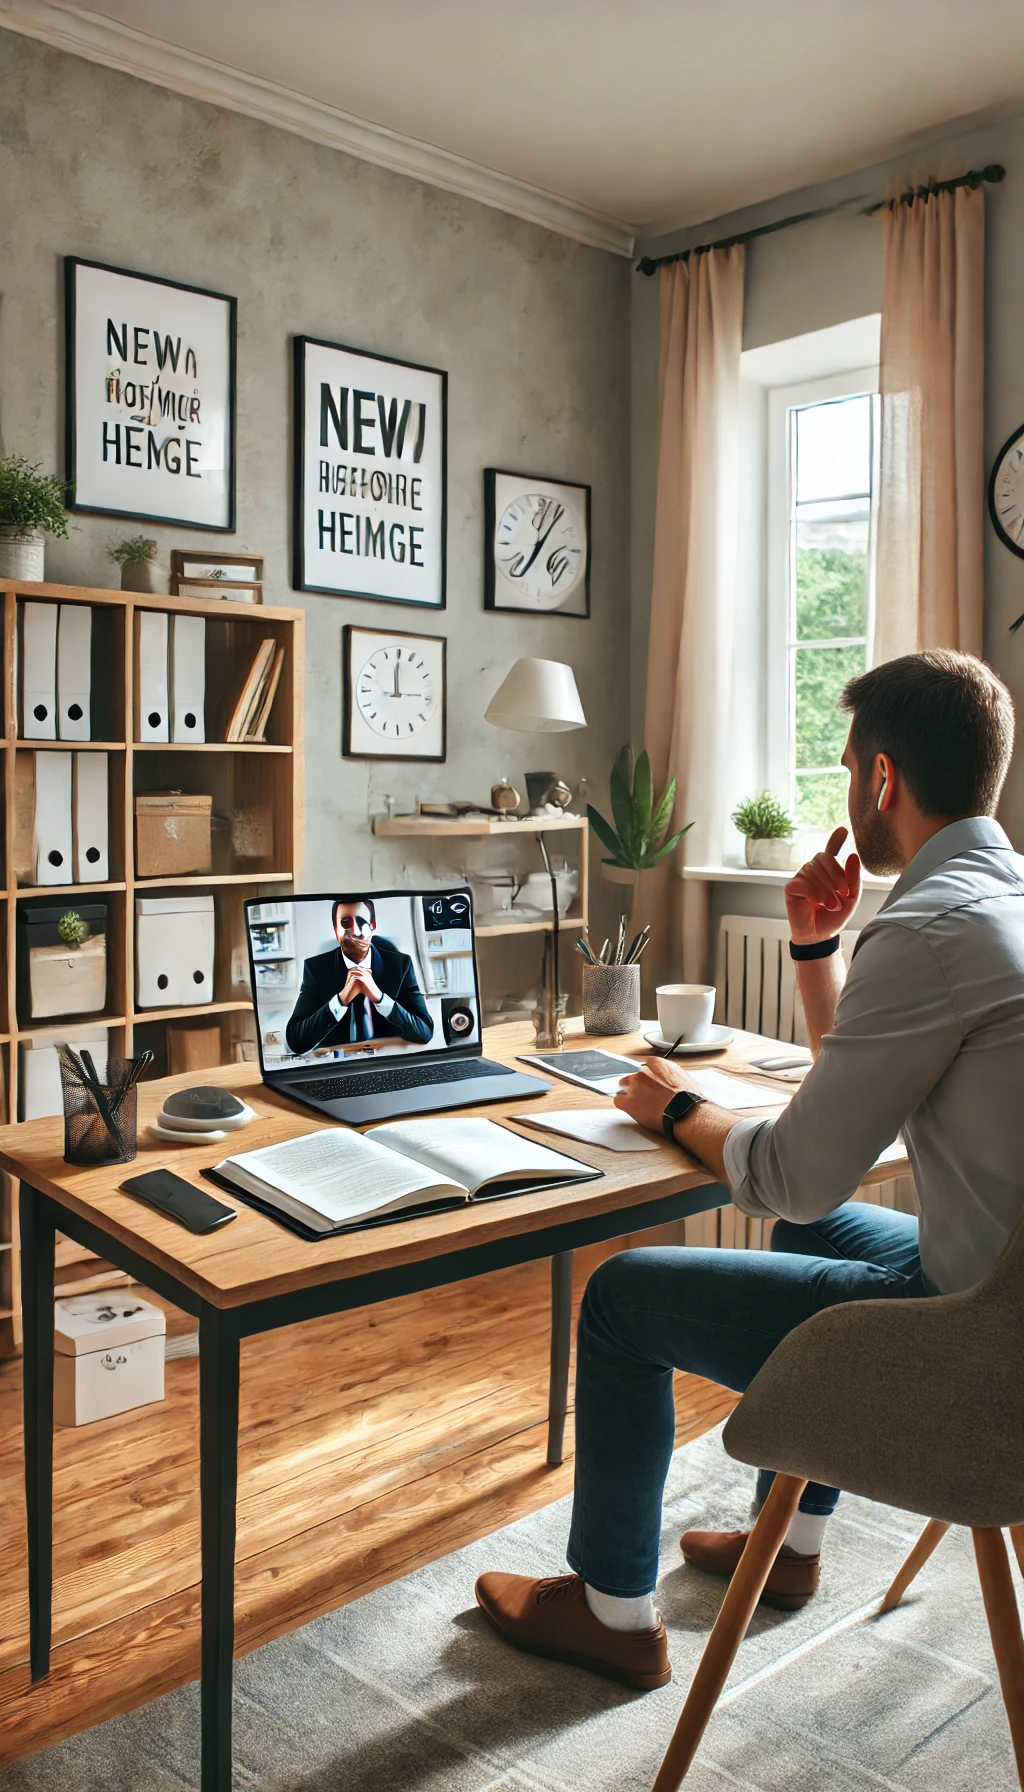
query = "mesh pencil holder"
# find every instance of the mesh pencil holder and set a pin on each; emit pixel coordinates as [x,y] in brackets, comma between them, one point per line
[101,1120]
[611,998]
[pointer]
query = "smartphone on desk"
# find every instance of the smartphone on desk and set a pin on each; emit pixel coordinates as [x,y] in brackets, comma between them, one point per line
[179,1200]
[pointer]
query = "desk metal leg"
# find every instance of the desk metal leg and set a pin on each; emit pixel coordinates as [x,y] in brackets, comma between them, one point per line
[37,1248]
[218,1477]
[561,1339]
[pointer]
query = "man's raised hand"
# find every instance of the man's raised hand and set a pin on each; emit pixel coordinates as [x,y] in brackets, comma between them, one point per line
[823,895]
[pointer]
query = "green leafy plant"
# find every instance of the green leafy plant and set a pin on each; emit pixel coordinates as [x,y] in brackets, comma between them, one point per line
[641,819]
[134,550]
[72,929]
[762,817]
[31,502]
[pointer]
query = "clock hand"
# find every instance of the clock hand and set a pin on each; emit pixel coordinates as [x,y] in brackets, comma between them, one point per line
[521,574]
[397,692]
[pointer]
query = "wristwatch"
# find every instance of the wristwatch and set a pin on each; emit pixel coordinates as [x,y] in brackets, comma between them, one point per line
[682,1103]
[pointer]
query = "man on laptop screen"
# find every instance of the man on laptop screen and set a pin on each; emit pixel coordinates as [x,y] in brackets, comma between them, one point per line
[367,1005]
[362,989]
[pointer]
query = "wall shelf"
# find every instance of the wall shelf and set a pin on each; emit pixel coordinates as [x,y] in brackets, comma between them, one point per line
[239,776]
[432,827]
[492,930]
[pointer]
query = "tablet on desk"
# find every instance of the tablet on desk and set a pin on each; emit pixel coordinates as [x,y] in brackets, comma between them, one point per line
[597,1070]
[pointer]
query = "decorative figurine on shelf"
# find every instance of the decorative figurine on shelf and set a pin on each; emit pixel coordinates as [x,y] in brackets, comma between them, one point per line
[555,801]
[505,798]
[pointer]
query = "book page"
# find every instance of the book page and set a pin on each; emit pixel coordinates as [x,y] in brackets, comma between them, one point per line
[735,1093]
[613,1131]
[339,1174]
[475,1152]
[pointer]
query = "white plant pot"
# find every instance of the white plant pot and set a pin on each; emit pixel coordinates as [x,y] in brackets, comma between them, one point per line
[21,556]
[769,855]
[618,874]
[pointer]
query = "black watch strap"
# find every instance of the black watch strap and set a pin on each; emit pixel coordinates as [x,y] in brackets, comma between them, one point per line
[816,949]
[681,1104]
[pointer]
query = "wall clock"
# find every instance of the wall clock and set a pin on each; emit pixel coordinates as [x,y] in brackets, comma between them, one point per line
[1006,493]
[536,544]
[395,695]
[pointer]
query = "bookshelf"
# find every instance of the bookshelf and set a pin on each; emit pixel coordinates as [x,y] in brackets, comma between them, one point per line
[266,775]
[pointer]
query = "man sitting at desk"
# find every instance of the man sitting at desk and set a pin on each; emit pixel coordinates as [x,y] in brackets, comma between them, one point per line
[363,989]
[925,1034]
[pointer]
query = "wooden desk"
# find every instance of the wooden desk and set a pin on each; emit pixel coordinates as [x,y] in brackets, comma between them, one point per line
[255,1276]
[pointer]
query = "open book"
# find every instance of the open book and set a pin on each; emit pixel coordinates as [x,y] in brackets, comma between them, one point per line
[334,1179]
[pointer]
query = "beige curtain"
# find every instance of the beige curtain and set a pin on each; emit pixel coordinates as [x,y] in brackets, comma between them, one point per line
[931,508]
[693,596]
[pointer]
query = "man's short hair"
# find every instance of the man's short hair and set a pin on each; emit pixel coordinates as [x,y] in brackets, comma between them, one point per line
[946,722]
[350,902]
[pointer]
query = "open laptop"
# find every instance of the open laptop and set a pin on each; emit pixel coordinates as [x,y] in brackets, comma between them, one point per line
[368,1006]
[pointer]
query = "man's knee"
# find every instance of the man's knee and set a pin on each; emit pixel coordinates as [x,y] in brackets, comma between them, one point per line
[615,1288]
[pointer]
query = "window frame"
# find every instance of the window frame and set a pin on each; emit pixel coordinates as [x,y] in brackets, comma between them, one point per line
[780,638]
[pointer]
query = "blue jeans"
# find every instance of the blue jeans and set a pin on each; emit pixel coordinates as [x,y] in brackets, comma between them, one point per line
[719,1314]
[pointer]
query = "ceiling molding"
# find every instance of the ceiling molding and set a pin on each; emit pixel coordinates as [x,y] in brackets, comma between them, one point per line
[98,39]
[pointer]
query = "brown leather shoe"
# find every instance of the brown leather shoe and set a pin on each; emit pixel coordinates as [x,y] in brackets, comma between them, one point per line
[551,1617]
[792,1581]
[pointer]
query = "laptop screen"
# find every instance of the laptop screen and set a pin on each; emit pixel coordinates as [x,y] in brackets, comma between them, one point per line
[355,978]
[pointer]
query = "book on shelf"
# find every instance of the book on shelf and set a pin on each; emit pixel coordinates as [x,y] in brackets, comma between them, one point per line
[335,1179]
[252,711]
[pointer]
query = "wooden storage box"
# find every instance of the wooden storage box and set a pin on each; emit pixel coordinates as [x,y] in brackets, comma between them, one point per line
[108,1356]
[55,978]
[172,833]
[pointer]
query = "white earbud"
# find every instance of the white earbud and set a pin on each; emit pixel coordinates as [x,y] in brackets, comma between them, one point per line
[881,793]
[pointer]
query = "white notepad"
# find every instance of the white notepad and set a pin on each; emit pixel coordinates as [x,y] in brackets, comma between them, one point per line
[594,1126]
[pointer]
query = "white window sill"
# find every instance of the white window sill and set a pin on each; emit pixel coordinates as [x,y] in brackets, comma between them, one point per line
[744,874]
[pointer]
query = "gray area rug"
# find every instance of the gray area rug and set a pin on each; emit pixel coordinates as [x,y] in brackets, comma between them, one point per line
[409,1690]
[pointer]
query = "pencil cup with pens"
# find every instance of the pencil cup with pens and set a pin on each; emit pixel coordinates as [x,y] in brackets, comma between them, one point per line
[611,983]
[100,1113]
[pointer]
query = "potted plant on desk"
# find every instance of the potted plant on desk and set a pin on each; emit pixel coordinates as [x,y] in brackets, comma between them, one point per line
[641,819]
[768,831]
[31,507]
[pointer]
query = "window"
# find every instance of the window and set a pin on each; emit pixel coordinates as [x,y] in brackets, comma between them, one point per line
[823,439]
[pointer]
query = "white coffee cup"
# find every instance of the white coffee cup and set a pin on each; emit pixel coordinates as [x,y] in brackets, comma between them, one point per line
[686,1010]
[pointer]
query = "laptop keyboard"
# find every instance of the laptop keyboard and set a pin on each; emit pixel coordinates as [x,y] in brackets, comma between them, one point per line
[399,1076]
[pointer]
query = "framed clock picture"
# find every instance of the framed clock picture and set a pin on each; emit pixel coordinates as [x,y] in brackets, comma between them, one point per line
[536,544]
[395,694]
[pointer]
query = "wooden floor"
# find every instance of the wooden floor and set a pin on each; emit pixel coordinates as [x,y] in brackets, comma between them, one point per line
[370,1444]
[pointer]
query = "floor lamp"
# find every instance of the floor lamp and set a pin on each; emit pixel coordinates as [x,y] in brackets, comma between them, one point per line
[540,697]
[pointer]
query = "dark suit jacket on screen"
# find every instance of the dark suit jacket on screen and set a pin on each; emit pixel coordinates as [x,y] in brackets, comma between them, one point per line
[312,1023]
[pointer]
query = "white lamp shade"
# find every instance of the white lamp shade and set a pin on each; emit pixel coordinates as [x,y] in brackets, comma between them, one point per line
[537,697]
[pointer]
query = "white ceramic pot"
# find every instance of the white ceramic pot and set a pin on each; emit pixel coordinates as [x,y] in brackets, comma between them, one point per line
[769,855]
[21,556]
[618,874]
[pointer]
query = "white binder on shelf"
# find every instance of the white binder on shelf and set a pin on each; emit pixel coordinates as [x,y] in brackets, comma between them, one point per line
[39,672]
[92,857]
[53,831]
[74,662]
[188,678]
[152,689]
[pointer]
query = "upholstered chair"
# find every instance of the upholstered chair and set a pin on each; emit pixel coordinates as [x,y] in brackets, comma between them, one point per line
[916,1403]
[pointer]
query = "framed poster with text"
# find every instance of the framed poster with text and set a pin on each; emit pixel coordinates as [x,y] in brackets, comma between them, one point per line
[150,406]
[371,475]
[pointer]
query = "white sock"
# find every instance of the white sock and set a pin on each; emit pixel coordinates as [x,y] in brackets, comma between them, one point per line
[622,1614]
[806,1531]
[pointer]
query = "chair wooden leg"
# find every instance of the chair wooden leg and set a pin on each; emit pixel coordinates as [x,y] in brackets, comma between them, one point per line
[743,1592]
[929,1540]
[1004,1629]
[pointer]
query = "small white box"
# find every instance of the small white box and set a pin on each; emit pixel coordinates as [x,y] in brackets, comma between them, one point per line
[175,938]
[109,1356]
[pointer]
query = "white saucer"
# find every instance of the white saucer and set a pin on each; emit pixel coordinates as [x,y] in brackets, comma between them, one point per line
[720,1037]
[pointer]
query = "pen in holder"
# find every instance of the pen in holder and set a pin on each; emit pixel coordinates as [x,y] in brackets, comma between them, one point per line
[611,998]
[100,1113]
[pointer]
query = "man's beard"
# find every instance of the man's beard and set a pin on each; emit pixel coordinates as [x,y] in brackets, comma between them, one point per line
[356,949]
[876,842]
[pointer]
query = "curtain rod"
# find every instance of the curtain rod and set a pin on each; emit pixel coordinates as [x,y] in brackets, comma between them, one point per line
[976,177]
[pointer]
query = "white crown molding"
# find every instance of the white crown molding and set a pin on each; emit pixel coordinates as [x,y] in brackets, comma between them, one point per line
[98,39]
